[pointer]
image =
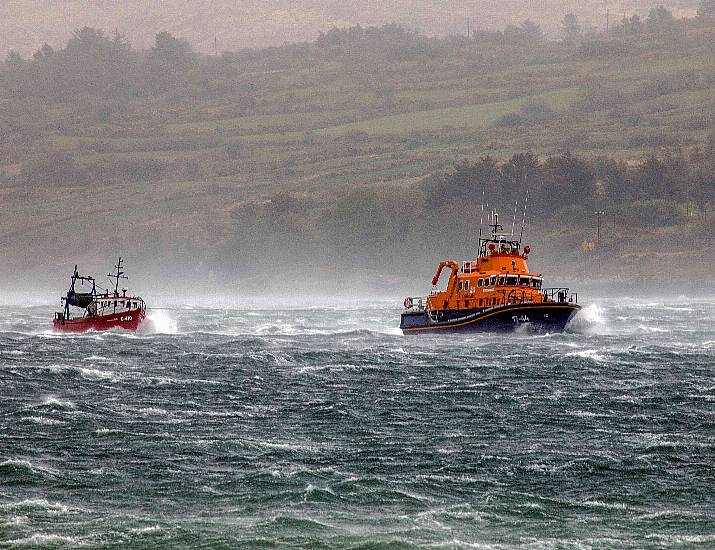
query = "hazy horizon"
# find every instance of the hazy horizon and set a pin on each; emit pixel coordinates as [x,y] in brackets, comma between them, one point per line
[28,24]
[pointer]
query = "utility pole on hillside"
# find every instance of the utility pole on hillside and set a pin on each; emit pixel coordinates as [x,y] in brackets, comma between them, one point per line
[598,213]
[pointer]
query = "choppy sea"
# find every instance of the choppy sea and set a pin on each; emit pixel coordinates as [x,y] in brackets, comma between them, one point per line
[324,427]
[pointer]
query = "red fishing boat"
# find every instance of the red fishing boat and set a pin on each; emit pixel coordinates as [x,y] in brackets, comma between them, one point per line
[103,310]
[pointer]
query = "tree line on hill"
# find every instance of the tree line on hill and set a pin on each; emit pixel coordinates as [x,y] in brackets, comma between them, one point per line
[100,65]
[369,225]
[96,64]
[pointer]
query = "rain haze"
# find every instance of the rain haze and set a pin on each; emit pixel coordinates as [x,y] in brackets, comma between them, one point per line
[264,279]
[213,143]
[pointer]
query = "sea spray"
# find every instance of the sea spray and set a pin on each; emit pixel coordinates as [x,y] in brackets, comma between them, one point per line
[590,319]
[159,321]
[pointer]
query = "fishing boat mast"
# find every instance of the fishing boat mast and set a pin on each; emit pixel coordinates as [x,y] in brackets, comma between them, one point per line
[119,274]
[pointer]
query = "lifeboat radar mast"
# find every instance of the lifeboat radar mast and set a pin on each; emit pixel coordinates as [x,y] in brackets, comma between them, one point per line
[498,239]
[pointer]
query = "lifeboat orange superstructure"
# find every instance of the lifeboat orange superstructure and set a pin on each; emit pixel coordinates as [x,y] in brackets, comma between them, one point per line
[499,277]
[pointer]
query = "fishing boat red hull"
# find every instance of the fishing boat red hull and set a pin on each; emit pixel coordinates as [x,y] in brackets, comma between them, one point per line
[126,320]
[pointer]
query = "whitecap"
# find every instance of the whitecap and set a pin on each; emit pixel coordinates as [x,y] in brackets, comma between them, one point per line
[43,420]
[95,374]
[652,329]
[99,358]
[37,503]
[682,539]
[16,520]
[588,354]
[446,450]
[21,463]
[43,539]
[601,504]
[584,414]
[154,411]
[52,401]
[149,529]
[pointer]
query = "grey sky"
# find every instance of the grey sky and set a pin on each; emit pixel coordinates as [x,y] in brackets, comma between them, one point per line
[27,24]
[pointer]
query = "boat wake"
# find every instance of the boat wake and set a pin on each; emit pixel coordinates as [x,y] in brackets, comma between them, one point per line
[159,322]
[590,320]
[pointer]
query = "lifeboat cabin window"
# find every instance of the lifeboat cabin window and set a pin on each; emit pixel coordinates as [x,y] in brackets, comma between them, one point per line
[479,282]
[460,285]
[466,285]
[511,280]
[502,280]
[536,283]
[525,281]
[494,280]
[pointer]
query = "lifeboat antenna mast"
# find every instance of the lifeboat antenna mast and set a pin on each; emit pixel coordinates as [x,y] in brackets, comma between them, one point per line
[495,225]
[526,201]
[481,217]
[118,275]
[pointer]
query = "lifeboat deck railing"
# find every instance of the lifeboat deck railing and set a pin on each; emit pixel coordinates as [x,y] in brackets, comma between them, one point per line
[560,295]
[416,303]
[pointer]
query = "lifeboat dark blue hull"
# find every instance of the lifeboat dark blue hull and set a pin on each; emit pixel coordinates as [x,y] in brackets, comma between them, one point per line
[537,317]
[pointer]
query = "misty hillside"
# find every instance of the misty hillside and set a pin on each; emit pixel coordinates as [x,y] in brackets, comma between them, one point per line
[256,23]
[346,155]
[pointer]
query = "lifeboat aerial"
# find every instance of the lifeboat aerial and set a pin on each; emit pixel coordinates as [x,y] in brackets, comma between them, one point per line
[495,292]
[92,310]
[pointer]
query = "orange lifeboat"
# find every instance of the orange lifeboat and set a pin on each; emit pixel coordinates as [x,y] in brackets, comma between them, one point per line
[495,292]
